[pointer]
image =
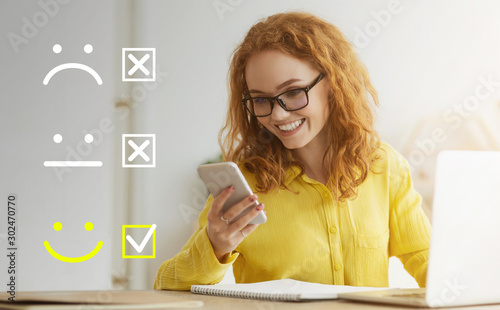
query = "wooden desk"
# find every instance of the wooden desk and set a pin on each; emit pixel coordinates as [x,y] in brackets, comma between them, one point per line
[222,303]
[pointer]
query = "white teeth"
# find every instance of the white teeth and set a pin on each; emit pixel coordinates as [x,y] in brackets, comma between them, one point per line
[292,126]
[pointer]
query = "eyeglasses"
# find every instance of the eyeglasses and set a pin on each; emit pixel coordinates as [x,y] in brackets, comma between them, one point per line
[290,100]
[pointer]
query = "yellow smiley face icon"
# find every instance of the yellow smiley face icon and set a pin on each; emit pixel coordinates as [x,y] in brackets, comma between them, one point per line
[57,227]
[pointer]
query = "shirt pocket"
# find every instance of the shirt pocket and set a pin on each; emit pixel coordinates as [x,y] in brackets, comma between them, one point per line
[372,259]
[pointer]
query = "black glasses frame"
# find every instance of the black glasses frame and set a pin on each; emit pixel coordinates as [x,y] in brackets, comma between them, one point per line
[280,101]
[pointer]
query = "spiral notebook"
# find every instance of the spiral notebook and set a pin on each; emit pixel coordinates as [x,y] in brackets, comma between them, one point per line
[281,290]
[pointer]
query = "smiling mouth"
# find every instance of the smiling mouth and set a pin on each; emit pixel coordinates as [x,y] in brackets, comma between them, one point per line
[73,259]
[291,126]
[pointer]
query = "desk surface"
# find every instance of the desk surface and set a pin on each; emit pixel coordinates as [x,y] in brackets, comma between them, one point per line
[221,303]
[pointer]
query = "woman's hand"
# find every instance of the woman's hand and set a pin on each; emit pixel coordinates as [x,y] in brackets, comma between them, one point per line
[223,234]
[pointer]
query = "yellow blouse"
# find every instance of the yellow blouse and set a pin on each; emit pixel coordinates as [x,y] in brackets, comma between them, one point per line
[311,237]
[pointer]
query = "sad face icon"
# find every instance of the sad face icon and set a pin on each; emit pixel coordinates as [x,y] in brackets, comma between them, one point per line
[87,49]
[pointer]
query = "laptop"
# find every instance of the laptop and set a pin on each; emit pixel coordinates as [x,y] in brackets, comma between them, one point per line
[464,255]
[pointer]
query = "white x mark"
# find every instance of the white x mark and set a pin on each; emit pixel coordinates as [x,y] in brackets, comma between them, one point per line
[138,150]
[139,64]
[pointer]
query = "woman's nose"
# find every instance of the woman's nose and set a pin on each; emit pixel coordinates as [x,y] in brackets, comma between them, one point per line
[279,113]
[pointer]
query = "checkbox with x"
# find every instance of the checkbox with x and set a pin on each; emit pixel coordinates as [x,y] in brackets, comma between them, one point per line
[138,64]
[138,150]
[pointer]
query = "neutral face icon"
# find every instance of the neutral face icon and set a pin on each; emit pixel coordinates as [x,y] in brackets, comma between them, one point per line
[72,163]
[58,227]
[87,49]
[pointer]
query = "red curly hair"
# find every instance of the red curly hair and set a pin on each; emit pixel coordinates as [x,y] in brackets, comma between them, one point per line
[351,135]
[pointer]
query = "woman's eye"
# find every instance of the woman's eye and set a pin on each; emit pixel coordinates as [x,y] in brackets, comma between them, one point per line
[259,101]
[294,93]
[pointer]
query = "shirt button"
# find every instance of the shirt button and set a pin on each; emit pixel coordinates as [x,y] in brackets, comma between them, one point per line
[338,267]
[333,230]
[326,195]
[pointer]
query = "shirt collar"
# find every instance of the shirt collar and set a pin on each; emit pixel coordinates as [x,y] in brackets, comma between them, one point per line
[291,173]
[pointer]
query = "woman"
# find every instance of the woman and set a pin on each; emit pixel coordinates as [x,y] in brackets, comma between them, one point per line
[339,202]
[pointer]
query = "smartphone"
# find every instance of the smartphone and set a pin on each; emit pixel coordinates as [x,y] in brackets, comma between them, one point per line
[220,176]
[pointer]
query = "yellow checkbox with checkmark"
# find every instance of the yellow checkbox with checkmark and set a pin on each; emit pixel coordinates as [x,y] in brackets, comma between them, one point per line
[138,248]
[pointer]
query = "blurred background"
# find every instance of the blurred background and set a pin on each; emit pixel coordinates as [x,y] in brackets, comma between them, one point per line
[435,64]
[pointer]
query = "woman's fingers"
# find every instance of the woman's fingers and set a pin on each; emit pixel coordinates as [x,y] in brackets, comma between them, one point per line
[247,230]
[243,221]
[239,207]
[216,208]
